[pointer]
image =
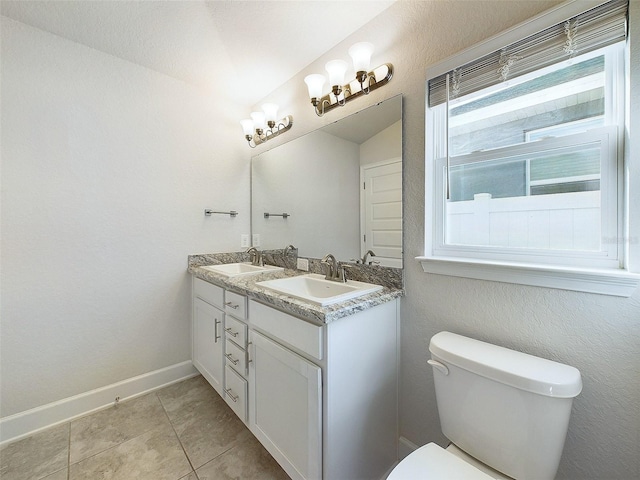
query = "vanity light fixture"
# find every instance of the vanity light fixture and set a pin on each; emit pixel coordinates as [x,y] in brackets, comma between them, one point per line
[262,126]
[364,82]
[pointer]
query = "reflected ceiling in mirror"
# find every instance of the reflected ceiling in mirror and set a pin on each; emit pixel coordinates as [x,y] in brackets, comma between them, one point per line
[335,190]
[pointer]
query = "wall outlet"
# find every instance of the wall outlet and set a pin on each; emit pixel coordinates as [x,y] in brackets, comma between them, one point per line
[244,240]
[256,240]
[303,264]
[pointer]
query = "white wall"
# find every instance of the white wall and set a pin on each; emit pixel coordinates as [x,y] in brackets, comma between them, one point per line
[383,146]
[106,170]
[597,334]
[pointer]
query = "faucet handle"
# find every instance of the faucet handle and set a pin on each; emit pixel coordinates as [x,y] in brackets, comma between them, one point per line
[329,267]
[342,271]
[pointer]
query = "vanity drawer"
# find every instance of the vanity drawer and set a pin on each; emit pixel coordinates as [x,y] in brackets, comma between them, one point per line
[236,357]
[235,392]
[236,331]
[296,332]
[212,294]
[235,304]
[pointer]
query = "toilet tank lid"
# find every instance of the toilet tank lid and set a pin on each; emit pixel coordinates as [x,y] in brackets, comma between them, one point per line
[517,369]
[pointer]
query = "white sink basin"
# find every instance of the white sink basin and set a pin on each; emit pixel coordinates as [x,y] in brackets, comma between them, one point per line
[315,289]
[236,269]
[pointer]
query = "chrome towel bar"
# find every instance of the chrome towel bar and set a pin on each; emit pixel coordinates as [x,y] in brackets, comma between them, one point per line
[232,213]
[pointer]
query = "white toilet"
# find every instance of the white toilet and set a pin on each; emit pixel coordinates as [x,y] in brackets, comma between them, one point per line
[505,412]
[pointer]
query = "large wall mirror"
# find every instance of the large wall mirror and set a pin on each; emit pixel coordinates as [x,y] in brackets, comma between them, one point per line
[335,190]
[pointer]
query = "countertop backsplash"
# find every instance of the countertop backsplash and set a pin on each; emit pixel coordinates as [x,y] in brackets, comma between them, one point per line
[389,277]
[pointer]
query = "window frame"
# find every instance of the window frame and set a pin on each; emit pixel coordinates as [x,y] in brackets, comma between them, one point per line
[609,257]
[610,279]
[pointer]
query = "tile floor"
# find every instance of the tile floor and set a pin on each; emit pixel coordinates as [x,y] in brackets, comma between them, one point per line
[183,432]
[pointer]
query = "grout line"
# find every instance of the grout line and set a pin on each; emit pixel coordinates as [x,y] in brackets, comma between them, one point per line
[176,434]
[69,454]
[116,445]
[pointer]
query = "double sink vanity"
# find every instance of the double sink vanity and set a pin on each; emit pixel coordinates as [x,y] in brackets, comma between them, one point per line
[309,365]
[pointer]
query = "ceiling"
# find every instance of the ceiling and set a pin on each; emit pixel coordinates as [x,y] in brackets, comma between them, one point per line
[243,48]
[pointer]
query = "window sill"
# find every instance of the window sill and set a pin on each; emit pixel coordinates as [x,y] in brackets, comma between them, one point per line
[618,283]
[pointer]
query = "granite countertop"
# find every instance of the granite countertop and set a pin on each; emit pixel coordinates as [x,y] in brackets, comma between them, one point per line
[246,285]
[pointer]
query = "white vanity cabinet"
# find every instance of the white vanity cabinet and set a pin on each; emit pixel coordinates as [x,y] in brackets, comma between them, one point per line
[207,325]
[323,399]
[286,407]
[236,388]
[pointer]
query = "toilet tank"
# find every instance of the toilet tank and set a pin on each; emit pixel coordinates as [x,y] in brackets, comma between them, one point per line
[508,409]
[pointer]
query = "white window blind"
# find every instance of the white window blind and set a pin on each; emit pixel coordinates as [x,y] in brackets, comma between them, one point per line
[524,155]
[591,30]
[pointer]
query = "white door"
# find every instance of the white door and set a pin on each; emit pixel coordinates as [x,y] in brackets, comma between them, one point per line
[381,211]
[285,402]
[207,328]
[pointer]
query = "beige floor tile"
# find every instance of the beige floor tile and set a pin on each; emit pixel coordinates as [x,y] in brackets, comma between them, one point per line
[191,476]
[247,461]
[180,398]
[36,456]
[154,455]
[203,421]
[107,428]
[209,430]
[137,440]
[60,475]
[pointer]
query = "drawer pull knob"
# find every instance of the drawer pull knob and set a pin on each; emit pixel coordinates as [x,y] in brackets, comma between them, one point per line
[232,305]
[231,396]
[231,332]
[231,359]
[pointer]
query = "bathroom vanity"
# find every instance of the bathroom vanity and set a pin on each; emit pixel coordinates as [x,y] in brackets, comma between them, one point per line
[316,385]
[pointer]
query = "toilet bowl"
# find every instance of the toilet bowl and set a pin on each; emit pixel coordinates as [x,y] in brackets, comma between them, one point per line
[505,412]
[432,462]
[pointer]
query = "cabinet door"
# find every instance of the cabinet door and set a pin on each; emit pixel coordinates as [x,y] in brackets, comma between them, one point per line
[285,399]
[207,348]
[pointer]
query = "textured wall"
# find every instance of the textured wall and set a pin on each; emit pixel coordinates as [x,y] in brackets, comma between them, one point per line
[106,170]
[597,334]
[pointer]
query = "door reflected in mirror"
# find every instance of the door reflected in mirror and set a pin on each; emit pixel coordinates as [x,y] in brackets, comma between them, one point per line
[335,190]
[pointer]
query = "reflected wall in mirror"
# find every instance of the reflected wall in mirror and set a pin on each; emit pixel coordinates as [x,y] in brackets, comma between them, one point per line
[340,187]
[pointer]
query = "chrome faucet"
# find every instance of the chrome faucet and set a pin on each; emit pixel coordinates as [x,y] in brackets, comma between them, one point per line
[255,256]
[285,253]
[364,257]
[335,272]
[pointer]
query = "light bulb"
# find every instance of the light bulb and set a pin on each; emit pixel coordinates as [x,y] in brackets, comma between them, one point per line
[270,113]
[247,126]
[258,121]
[336,70]
[314,82]
[361,54]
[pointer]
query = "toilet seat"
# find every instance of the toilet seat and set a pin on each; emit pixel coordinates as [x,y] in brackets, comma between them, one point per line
[432,462]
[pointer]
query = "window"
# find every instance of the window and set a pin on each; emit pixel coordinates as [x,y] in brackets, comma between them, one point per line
[525,147]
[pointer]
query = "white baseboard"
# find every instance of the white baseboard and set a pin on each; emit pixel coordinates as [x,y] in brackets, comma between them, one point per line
[26,423]
[405,447]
